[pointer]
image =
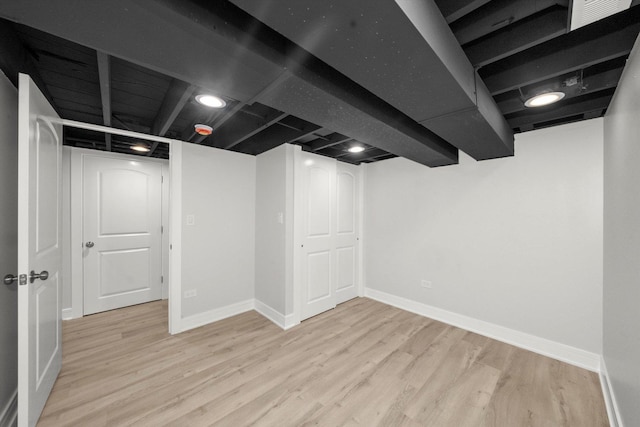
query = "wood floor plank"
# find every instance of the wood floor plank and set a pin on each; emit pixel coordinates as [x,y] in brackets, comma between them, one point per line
[363,363]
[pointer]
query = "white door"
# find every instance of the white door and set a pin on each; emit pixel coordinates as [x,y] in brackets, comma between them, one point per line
[347,253]
[318,244]
[39,251]
[122,211]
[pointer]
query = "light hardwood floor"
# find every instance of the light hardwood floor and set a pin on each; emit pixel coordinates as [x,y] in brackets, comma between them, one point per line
[363,363]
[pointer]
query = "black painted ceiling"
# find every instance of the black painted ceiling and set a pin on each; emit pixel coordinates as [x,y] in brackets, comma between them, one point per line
[278,92]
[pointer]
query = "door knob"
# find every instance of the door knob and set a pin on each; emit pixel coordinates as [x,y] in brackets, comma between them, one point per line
[9,279]
[43,275]
[89,244]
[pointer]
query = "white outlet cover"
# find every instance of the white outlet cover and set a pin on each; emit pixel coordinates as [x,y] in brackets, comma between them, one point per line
[191,219]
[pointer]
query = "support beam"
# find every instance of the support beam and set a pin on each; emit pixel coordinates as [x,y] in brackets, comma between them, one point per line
[174,101]
[610,38]
[104,73]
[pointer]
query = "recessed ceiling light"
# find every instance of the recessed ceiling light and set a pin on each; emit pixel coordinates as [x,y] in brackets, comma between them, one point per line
[544,99]
[356,149]
[142,148]
[211,101]
[203,129]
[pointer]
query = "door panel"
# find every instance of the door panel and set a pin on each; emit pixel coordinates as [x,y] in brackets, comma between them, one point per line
[318,251]
[347,231]
[319,276]
[319,202]
[346,261]
[346,202]
[124,271]
[122,218]
[39,250]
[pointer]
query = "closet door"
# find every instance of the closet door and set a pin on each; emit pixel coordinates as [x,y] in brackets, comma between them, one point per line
[347,226]
[318,287]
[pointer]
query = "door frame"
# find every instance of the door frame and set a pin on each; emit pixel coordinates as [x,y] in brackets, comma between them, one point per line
[74,202]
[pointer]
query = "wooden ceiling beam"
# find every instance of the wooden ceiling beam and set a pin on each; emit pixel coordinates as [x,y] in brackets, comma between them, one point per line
[452,10]
[174,101]
[607,39]
[518,37]
[15,58]
[104,74]
[326,142]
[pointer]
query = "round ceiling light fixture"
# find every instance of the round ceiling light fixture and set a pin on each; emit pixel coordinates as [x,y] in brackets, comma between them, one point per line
[543,99]
[356,149]
[203,129]
[141,148]
[211,101]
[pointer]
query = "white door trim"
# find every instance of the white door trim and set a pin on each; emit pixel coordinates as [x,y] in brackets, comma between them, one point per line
[76,202]
[175,239]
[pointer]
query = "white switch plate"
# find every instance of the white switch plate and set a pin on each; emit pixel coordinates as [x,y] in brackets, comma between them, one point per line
[191,219]
[426,284]
[190,293]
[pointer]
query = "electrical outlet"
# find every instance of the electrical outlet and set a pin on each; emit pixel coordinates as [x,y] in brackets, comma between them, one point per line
[191,219]
[426,284]
[190,293]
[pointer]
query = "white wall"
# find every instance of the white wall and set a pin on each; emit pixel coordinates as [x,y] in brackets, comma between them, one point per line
[271,203]
[622,242]
[8,246]
[218,252]
[516,242]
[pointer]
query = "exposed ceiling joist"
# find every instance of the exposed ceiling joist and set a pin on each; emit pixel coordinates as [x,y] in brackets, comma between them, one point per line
[328,141]
[271,137]
[497,14]
[14,59]
[174,101]
[610,38]
[104,73]
[453,10]
[518,37]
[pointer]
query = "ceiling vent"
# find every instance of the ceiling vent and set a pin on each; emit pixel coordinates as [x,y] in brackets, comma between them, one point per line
[585,12]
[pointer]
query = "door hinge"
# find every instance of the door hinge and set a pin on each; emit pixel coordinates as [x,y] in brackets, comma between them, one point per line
[161,229]
[161,279]
[161,178]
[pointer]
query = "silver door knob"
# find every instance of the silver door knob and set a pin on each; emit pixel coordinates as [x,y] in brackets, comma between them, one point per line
[9,279]
[43,275]
[89,244]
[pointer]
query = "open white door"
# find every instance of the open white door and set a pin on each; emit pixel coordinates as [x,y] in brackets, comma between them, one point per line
[39,251]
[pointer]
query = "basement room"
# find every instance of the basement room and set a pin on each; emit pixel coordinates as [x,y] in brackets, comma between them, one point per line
[298,212]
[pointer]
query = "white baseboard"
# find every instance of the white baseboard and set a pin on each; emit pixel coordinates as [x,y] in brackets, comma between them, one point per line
[285,322]
[9,415]
[67,314]
[574,356]
[615,420]
[214,315]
